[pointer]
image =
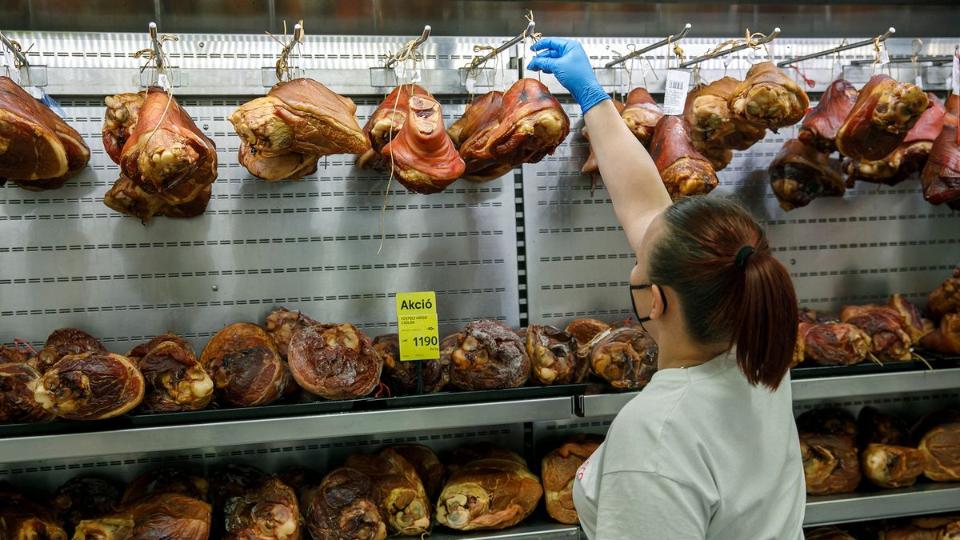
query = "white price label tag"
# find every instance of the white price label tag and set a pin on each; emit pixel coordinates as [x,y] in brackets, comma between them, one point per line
[884,55]
[163,82]
[919,81]
[11,71]
[675,93]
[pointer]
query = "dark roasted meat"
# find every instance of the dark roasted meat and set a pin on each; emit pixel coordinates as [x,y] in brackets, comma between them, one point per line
[888,338]
[18,402]
[343,506]
[91,386]
[245,365]
[23,519]
[532,124]
[402,376]
[174,377]
[161,517]
[828,420]
[799,174]
[85,497]
[946,337]
[884,113]
[399,490]
[945,298]
[427,465]
[282,324]
[487,355]
[830,463]
[334,361]
[165,480]
[889,466]
[941,449]
[874,426]
[471,133]
[267,512]
[624,357]
[553,355]
[834,343]
[63,342]
[768,98]
[820,126]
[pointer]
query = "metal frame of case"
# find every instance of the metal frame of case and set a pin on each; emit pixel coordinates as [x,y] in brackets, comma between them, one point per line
[312,245]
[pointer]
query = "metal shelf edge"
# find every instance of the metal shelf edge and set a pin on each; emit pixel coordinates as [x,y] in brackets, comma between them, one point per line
[921,499]
[536,531]
[272,430]
[875,384]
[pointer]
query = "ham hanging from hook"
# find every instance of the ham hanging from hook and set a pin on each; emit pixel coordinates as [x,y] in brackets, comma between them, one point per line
[683,169]
[884,113]
[641,114]
[471,133]
[768,98]
[712,122]
[941,174]
[422,154]
[800,173]
[820,126]
[385,123]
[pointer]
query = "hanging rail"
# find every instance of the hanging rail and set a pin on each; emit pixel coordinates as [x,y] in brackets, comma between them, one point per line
[872,41]
[408,49]
[15,49]
[725,52]
[479,60]
[670,39]
[935,60]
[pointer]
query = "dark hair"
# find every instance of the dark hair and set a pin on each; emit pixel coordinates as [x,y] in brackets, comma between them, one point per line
[751,305]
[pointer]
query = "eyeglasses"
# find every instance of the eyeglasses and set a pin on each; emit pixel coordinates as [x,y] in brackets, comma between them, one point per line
[633,301]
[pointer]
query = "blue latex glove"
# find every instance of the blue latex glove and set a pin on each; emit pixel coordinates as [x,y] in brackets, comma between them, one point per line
[566,60]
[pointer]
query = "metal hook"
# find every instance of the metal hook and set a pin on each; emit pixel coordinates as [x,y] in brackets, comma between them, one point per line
[872,41]
[15,49]
[746,45]
[409,48]
[672,38]
[479,60]
[283,67]
[157,46]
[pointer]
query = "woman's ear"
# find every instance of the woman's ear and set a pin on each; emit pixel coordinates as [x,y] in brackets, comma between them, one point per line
[657,307]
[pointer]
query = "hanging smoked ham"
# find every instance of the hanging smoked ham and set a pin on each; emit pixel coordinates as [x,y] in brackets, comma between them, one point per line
[909,157]
[39,150]
[402,377]
[487,355]
[245,365]
[684,171]
[553,356]
[800,173]
[91,386]
[18,402]
[711,121]
[820,126]
[295,124]
[161,516]
[624,357]
[471,133]
[385,123]
[489,493]
[175,379]
[641,114]
[558,471]
[344,505]
[399,490]
[269,511]
[421,153]
[768,98]
[334,361]
[889,341]
[941,175]
[884,113]
[167,165]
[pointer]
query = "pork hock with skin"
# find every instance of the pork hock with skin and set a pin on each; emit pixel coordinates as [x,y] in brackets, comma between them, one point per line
[883,114]
[624,357]
[399,491]
[553,356]
[486,355]
[941,175]
[641,114]
[38,150]
[269,511]
[422,155]
[344,505]
[558,471]
[402,376]
[711,121]
[245,365]
[91,386]
[683,169]
[768,98]
[820,126]
[334,361]
[175,379]
[799,174]
[18,401]
[471,133]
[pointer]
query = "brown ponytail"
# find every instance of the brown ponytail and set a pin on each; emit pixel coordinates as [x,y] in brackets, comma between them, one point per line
[731,288]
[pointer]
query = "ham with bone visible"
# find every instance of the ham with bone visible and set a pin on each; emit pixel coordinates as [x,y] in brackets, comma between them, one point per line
[421,153]
[799,173]
[712,122]
[38,150]
[683,169]
[768,98]
[879,121]
[299,121]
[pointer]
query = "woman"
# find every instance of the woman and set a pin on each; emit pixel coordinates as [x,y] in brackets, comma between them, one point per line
[709,449]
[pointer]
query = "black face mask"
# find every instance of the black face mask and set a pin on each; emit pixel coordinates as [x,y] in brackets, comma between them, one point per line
[633,301]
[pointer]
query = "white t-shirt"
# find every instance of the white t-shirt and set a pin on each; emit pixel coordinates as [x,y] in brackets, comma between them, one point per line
[699,453]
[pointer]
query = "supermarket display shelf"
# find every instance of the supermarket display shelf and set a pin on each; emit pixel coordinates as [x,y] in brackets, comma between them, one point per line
[820,388]
[531,531]
[925,498]
[275,430]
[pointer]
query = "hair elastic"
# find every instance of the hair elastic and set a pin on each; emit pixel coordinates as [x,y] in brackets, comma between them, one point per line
[741,259]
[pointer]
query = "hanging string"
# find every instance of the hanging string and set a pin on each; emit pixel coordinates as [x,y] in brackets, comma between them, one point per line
[160,62]
[283,65]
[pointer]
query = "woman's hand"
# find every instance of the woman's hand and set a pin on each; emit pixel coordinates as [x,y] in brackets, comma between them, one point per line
[566,60]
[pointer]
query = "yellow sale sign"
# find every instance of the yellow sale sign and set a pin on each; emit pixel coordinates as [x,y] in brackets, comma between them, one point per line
[418,328]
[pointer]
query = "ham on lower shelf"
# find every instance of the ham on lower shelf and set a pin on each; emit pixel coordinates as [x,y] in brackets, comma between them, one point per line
[398,489]
[344,505]
[269,511]
[40,151]
[299,121]
[166,515]
[245,365]
[167,165]
[558,471]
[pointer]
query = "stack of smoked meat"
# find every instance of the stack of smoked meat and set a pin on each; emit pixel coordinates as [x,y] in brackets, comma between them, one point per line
[718,118]
[885,133]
